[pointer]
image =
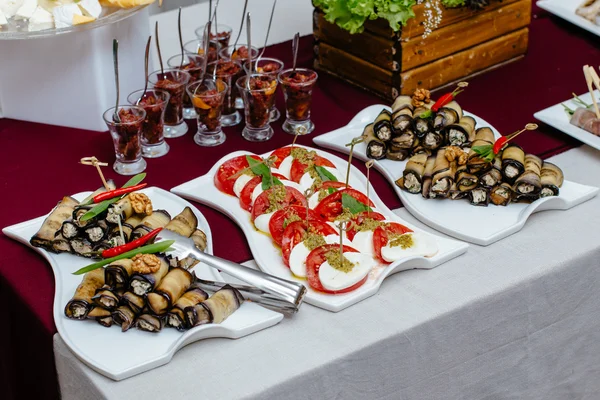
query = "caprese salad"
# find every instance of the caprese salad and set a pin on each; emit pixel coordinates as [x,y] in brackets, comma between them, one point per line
[329,233]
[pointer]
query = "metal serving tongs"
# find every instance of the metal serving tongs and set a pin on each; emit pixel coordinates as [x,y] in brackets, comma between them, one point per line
[276,293]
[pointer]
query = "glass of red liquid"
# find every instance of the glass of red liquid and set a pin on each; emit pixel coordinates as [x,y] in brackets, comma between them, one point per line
[222,34]
[194,67]
[207,97]
[239,53]
[266,66]
[172,81]
[258,93]
[126,132]
[195,48]
[154,102]
[297,90]
[228,71]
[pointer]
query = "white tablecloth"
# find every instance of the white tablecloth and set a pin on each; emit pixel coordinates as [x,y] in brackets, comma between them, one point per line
[519,319]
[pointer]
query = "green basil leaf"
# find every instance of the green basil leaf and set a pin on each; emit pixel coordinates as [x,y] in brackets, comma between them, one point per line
[331,190]
[266,182]
[324,174]
[353,205]
[135,180]
[482,150]
[257,167]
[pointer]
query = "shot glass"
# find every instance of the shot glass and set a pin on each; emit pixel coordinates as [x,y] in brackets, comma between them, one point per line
[239,53]
[258,93]
[126,132]
[207,97]
[154,102]
[195,48]
[172,81]
[228,72]
[222,36]
[297,90]
[194,67]
[266,66]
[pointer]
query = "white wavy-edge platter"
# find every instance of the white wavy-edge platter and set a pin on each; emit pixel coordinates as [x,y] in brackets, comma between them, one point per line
[565,9]
[268,256]
[459,219]
[119,355]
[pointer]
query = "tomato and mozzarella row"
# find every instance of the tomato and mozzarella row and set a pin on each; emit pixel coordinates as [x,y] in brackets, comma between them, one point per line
[282,218]
[276,198]
[394,241]
[224,177]
[331,206]
[323,190]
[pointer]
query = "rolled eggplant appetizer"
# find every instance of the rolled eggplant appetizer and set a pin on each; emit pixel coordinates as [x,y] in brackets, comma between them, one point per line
[428,176]
[106,298]
[115,234]
[398,155]
[44,238]
[133,203]
[158,219]
[184,223]
[81,303]
[149,323]
[413,173]
[60,244]
[216,309]
[402,119]
[529,183]
[382,126]
[433,140]
[69,229]
[483,137]
[118,273]
[147,273]
[82,247]
[100,247]
[444,172]
[466,181]
[455,193]
[450,114]
[102,316]
[461,133]
[170,289]
[80,211]
[479,196]
[125,317]
[552,179]
[96,232]
[501,194]
[422,125]
[176,317]
[402,102]
[133,301]
[199,238]
[376,149]
[405,140]
[490,178]
[513,162]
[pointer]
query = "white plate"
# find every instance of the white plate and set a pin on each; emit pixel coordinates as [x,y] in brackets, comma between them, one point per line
[556,117]
[479,225]
[119,355]
[268,256]
[565,9]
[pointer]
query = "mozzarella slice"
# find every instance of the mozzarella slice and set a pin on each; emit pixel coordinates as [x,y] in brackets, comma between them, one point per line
[423,245]
[334,279]
[363,242]
[9,7]
[3,20]
[307,181]
[240,182]
[258,189]
[262,222]
[63,15]
[300,252]
[90,8]
[27,9]
[285,167]
[40,20]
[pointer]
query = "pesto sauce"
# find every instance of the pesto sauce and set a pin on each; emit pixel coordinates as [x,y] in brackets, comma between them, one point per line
[369,224]
[313,240]
[303,155]
[290,219]
[402,240]
[340,263]
[346,215]
[276,198]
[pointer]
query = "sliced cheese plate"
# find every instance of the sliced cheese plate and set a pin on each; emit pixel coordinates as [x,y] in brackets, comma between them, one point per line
[268,256]
[120,355]
[459,219]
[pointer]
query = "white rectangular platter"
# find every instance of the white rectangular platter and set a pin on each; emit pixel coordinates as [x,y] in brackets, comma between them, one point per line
[478,225]
[268,257]
[556,117]
[565,9]
[119,355]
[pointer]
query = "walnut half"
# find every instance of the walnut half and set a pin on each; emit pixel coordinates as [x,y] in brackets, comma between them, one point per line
[421,97]
[145,263]
[140,203]
[456,153]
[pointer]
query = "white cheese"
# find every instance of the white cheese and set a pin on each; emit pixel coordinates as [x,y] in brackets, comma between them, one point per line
[240,182]
[27,9]
[262,222]
[40,20]
[90,8]
[334,279]
[423,245]
[300,252]
[63,15]
[258,189]
[306,181]
[286,167]
[363,242]
[9,7]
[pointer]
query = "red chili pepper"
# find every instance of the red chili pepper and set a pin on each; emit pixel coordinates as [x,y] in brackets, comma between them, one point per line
[447,98]
[117,192]
[115,251]
[499,144]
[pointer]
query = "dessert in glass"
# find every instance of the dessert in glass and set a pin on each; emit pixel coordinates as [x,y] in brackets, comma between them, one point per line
[258,93]
[297,90]
[238,53]
[195,48]
[207,97]
[126,132]
[154,102]
[194,67]
[228,71]
[173,81]
[266,66]
[222,34]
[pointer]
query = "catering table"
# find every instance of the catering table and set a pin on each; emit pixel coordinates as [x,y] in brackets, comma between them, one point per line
[517,319]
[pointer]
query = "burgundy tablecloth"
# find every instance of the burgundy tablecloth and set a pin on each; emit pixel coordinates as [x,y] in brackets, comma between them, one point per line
[40,165]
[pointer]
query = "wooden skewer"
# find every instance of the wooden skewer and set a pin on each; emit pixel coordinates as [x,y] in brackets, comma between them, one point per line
[299,131]
[528,127]
[94,161]
[353,143]
[589,80]
[368,164]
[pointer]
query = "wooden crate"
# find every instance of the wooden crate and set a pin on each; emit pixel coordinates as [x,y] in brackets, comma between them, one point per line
[388,63]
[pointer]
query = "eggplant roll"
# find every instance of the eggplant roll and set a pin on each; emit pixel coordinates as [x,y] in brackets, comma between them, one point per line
[461,133]
[402,119]
[479,196]
[96,232]
[455,193]
[490,178]
[158,219]
[80,305]
[444,172]
[413,173]
[102,316]
[552,179]
[106,298]
[125,317]
[432,140]
[133,301]
[399,155]
[405,140]
[117,273]
[529,183]
[80,211]
[428,176]
[82,247]
[421,125]
[513,162]
[501,194]
[184,223]
[149,323]
[382,126]
[115,234]
[141,284]
[69,229]
[199,238]
[402,102]
[447,115]
[170,289]
[122,210]
[466,181]
[176,317]
[216,309]
[60,244]
[376,149]
[53,222]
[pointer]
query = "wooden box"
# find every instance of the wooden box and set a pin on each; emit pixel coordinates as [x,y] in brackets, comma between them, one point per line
[387,63]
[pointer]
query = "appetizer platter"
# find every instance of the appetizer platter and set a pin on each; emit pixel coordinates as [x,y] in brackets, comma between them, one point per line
[458,218]
[583,13]
[157,303]
[341,247]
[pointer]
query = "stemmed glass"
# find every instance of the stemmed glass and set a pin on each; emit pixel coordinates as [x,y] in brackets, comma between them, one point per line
[207,97]
[258,93]
[154,102]
[297,87]
[126,132]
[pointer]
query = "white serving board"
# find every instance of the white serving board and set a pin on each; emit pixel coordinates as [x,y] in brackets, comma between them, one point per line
[565,9]
[119,355]
[459,219]
[268,256]
[556,117]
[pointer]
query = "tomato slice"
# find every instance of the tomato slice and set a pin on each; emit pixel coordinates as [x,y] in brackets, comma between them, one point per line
[262,203]
[223,178]
[380,237]
[331,206]
[294,232]
[359,218]
[246,193]
[316,258]
[281,153]
[278,219]
[299,169]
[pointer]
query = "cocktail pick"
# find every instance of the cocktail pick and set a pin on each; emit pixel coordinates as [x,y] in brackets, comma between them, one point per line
[369,164]
[146,57]
[488,152]
[180,38]
[353,143]
[162,69]
[590,83]
[307,194]
[94,162]
[262,52]
[241,26]
[299,131]
[344,225]
[295,44]
[116,117]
